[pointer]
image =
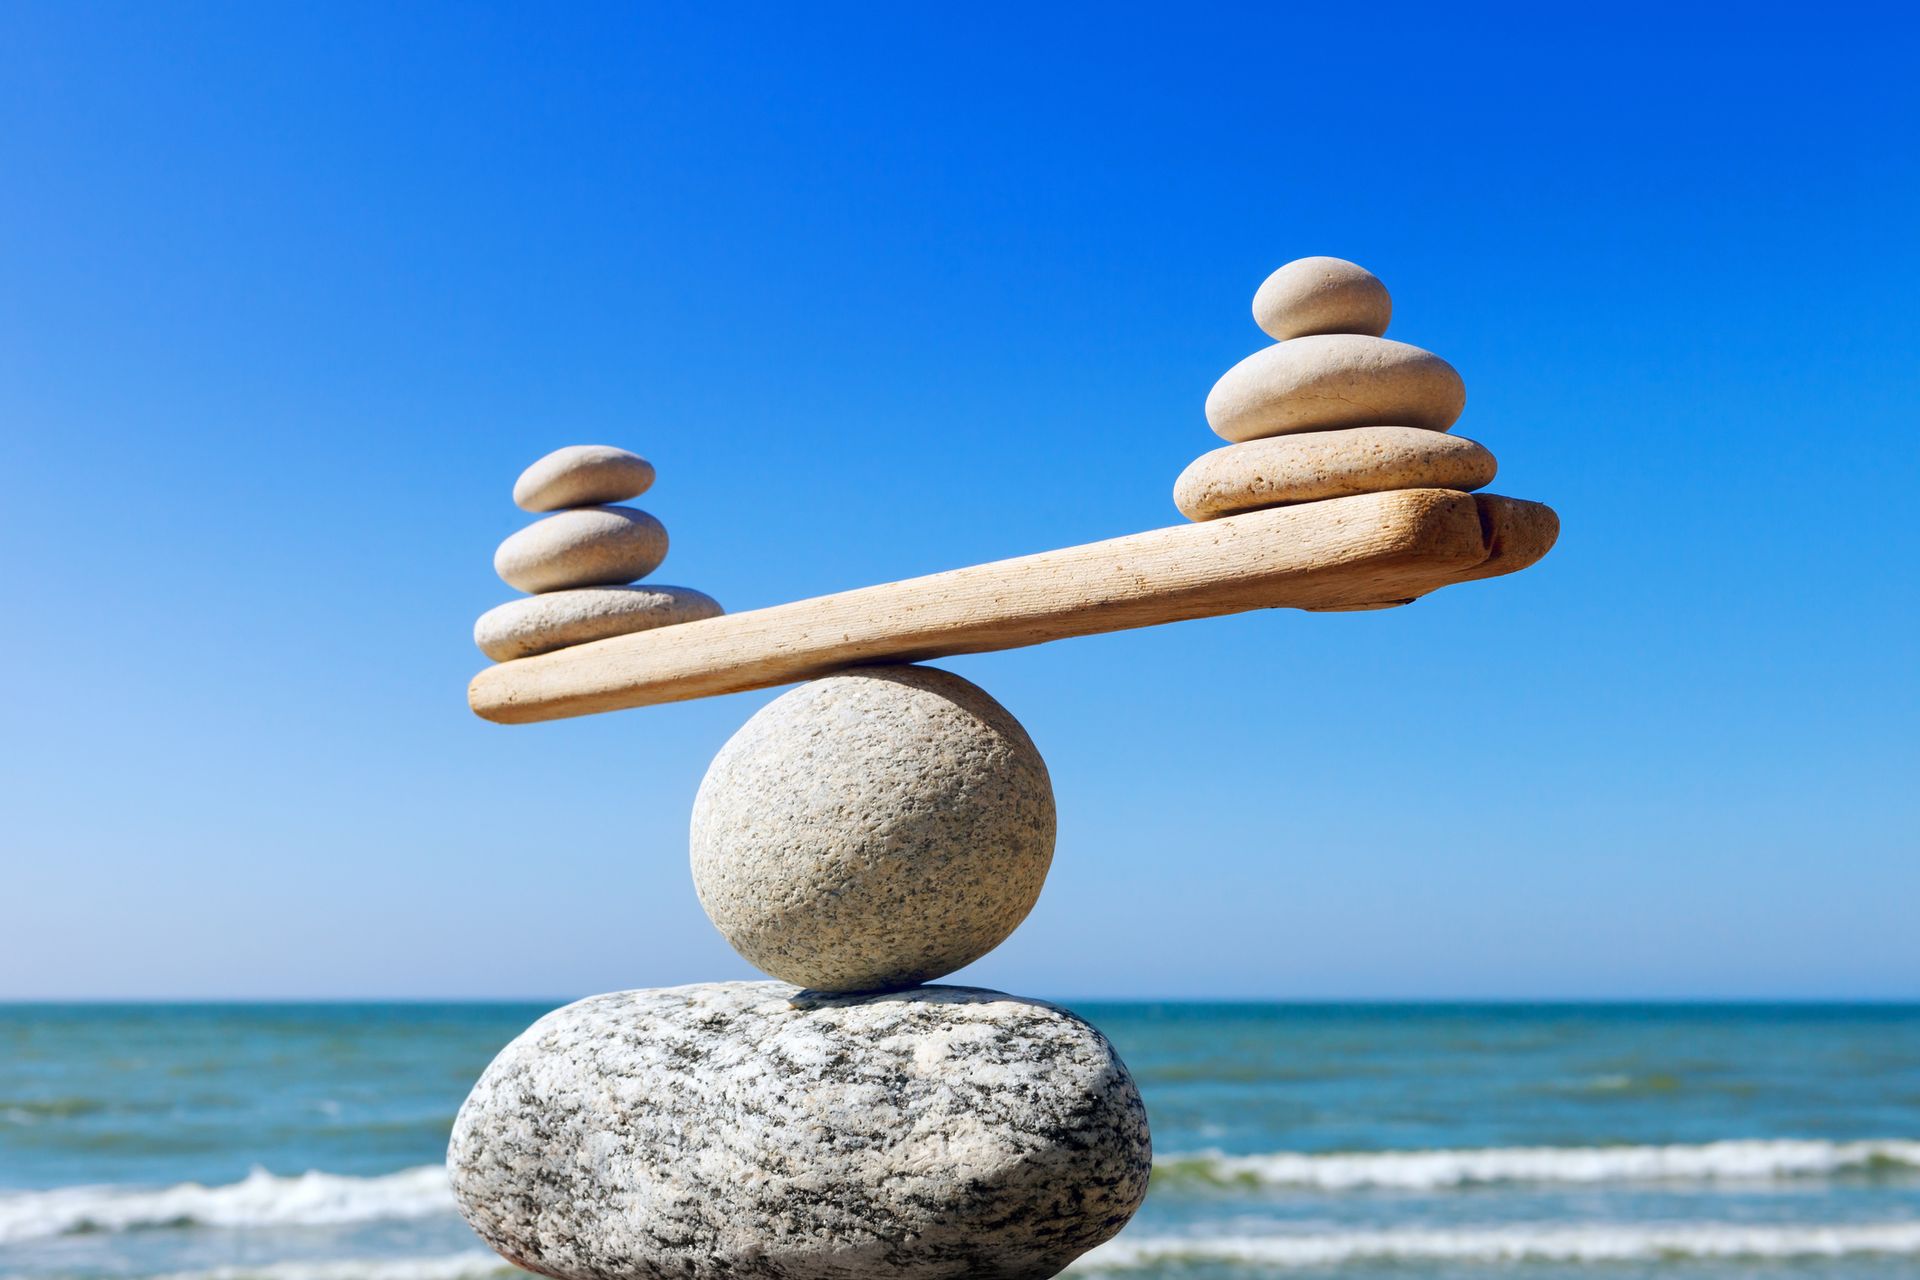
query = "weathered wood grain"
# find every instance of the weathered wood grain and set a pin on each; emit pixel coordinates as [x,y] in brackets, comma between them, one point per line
[1346,552]
[1518,533]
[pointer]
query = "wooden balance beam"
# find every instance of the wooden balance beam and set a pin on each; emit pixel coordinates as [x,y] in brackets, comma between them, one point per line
[1369,551]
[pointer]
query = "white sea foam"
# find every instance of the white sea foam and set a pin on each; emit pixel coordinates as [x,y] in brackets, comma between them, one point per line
[1743,1160]
[1625,1243]
[258,1200]
[323,1199]
[475,1265]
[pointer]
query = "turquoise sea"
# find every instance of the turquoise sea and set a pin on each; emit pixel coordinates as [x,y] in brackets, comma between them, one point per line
[302,1142]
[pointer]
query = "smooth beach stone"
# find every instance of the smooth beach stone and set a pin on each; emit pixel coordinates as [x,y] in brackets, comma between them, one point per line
[1334,380]
[540,624]
[582,475]
[1322,295]
[741,1129]
[585,547]
[1328,464]
[873,829]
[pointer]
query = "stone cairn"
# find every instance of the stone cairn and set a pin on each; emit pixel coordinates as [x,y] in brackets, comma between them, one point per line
[1331,409]
[577,564]
[863,834]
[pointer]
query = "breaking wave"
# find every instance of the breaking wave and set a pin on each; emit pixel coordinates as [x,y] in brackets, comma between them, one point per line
[1649,1243]
[475,1265]
[258,1200]
[1739,1160]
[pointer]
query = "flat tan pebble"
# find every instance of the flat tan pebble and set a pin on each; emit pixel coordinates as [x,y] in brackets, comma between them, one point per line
[558,619]
[1322,295]
[1314,465]
[585,547]
[1334,380]
[872,830]
[582,475]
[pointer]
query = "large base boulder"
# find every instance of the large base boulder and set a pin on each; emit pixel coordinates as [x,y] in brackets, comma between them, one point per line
[748,1129]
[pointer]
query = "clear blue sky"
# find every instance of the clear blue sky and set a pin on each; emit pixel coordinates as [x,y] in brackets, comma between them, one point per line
[290,293]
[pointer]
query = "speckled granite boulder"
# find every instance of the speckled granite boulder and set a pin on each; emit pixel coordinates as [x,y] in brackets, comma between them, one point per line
[743,1129]
[873,829]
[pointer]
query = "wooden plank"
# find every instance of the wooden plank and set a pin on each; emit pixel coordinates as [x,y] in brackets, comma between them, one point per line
[1518,533]
[1367,549]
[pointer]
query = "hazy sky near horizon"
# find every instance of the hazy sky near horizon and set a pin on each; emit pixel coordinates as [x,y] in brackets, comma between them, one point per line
[290,293]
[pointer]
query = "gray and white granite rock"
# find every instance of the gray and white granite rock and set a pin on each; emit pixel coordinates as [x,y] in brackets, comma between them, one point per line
[1322,295]
[873,829]
[582,475]
[584,547]
[540,624]
[745,1130]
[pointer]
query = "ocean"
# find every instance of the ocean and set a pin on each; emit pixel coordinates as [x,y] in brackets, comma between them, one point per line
[1358,1142]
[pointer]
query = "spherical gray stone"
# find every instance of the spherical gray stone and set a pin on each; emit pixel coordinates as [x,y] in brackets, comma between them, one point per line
[540,624]
[585,547]
[582,475]
[873,829]
[1322,295]
[740,1131]
[1334,380]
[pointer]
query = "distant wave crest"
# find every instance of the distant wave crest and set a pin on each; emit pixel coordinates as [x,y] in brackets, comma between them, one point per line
[1740,1160]
[262,1199]
[1515,1244]
[258,1200]
[474,1265]
[1653,1243]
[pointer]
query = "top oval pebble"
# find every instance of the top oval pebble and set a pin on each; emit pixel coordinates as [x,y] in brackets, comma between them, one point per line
[582,475]
[1322,295]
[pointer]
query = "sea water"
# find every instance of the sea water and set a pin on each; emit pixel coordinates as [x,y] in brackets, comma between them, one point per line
[303,1142]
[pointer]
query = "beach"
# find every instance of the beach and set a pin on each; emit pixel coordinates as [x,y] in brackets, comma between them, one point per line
[303,1141]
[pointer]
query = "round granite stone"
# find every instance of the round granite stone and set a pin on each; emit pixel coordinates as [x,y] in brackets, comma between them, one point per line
[743,1131]
[584,547]
[872,830]
[582,475]
[1322,295]
[1328,464]
[1334,380]
[540,624]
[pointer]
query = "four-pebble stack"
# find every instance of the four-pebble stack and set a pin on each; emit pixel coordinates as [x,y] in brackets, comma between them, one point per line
[579,562]
[1332,408]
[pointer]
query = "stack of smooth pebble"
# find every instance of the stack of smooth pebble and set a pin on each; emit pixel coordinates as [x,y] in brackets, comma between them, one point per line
[863,834]
[578,562]
[1332,408]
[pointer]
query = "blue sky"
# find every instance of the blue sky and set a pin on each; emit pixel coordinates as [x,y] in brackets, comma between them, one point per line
[289,295]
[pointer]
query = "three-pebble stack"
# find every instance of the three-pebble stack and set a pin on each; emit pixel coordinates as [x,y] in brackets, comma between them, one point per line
[578,563]
[1332,408]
